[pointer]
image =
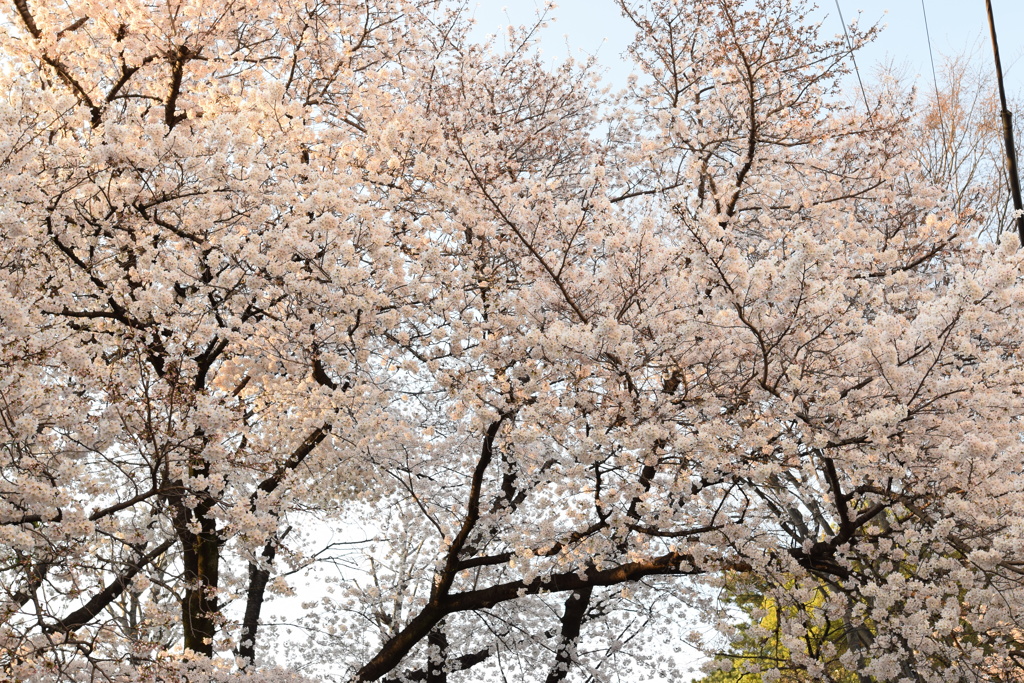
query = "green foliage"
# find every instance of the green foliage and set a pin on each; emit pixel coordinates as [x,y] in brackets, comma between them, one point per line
[759,651]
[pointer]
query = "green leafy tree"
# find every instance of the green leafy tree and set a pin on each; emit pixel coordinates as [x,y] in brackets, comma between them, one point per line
[759,652]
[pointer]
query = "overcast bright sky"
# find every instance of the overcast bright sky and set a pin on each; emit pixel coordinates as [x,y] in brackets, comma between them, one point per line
[595,26]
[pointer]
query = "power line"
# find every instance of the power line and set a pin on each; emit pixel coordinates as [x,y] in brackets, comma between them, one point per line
[853,58]
[935,78]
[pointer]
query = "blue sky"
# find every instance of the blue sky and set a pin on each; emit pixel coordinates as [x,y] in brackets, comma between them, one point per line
[956,26]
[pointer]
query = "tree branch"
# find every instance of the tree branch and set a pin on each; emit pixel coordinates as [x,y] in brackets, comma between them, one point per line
[99,602]
[393,651]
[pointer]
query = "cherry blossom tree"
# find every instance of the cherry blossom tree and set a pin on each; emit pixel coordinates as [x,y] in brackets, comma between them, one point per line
[532,367]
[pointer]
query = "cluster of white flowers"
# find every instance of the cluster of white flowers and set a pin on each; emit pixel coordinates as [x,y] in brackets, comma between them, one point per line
[324,292]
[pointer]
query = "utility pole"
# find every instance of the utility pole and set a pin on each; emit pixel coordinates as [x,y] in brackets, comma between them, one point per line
[1011,152]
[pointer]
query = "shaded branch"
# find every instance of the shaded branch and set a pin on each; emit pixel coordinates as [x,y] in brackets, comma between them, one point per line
[394,650]
[111,592]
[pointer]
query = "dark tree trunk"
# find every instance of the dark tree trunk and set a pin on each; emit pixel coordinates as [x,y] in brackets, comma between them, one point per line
[436,663]
[201,555]
[258,578]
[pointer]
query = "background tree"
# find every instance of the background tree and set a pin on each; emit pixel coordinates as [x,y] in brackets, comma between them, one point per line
[961,148]
[277,270]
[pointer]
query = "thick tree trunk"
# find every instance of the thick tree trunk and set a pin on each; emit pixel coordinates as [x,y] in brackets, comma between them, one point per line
[201,560]
[258,578]
[438,659]
[202,566]
[572,620]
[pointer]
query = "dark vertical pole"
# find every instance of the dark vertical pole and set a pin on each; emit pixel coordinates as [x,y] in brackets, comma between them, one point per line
[1011,152]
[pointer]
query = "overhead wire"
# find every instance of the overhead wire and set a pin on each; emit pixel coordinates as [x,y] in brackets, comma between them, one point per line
[935,78]
[853,58]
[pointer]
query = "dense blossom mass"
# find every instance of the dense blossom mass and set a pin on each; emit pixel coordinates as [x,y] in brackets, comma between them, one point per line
[515,374]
